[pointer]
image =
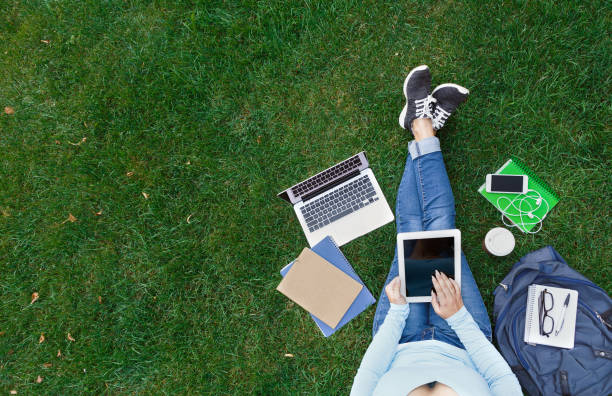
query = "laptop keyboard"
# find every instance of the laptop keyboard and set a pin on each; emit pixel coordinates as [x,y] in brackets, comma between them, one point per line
[328,175]
[338,203]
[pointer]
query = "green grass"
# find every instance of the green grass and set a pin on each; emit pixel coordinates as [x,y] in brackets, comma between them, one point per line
[217,106]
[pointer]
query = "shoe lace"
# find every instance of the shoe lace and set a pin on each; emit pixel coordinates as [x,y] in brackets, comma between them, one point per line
[424,107]
[439,117]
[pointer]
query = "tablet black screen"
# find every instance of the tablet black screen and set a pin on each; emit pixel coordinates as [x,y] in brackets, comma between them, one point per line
[421,258]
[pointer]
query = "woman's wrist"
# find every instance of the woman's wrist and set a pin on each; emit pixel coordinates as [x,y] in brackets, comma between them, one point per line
[399,307]
[457,316]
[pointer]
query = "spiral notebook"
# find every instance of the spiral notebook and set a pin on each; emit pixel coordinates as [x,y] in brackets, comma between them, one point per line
[515,167]
[565,337]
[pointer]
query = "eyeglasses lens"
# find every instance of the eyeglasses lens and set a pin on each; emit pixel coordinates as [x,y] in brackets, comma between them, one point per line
[547,324]
[548,301]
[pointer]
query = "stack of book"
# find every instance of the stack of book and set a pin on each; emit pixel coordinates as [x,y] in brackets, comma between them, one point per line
[323,282]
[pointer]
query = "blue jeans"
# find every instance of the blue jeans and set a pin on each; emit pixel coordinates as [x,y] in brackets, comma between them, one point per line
[425,202]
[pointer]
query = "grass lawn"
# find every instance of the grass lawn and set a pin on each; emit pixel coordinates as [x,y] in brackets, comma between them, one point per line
[142,145]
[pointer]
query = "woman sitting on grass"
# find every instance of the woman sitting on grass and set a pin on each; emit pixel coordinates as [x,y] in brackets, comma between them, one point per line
[442,348]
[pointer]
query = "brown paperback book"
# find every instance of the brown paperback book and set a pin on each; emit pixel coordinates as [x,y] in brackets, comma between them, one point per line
[319,287]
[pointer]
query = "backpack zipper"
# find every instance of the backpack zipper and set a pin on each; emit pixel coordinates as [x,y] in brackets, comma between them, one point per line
[578,281]
[519,355]
[516,278]
[591,284]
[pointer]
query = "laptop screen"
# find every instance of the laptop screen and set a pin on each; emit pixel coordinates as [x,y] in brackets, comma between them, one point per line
[348,168]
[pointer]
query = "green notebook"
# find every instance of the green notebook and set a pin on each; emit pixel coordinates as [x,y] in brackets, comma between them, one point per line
[516,167]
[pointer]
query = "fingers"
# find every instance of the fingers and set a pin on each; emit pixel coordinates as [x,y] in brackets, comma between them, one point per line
[438,286]
[389,289]
[445,283]
[453,286]
[394,285]
[456,286]
[449,286]
[393,290]
[434,302]
[441,287]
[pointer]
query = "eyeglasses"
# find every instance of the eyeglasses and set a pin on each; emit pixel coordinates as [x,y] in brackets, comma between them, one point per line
[546,304]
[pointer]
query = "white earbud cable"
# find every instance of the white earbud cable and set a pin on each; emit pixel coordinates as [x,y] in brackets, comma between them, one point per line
[517,205]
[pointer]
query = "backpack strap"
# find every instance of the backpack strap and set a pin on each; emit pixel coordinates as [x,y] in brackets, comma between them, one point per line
[525,380]
[564,383]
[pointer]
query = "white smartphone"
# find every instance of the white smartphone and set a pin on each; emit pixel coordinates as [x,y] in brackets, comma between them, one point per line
[510,184]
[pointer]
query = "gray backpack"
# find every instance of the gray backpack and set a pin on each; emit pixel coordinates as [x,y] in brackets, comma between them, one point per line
[544,370]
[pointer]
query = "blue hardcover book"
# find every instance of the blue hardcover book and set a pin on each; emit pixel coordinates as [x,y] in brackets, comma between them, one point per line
[328,249]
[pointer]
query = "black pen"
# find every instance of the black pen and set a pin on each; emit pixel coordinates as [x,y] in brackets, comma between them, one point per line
[565,304]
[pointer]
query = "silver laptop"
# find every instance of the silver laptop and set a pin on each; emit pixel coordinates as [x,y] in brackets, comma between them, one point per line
[344,201]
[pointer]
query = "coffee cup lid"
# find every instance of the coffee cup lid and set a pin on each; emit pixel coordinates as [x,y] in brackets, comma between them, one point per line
[499,241]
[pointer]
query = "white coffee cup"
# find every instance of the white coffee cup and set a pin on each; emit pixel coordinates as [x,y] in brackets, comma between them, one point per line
[499,242]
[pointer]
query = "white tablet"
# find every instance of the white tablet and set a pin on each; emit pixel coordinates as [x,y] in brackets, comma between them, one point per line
[419,254]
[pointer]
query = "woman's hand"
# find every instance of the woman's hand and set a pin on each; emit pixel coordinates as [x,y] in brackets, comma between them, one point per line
[393,292]
[446,300]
